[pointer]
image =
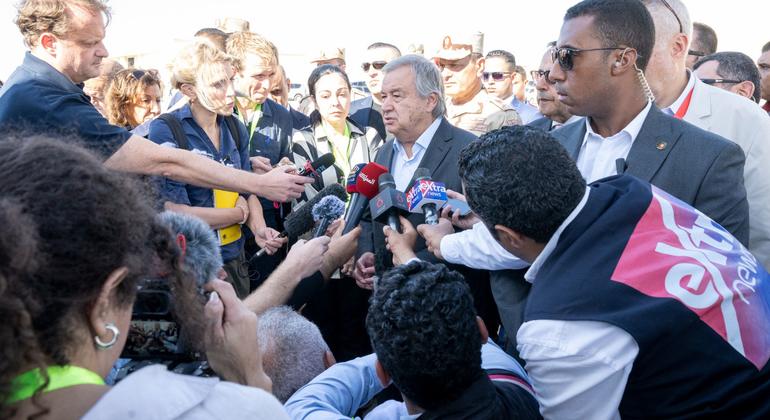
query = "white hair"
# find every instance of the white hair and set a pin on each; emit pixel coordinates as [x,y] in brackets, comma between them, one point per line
[292,350]
[427,78]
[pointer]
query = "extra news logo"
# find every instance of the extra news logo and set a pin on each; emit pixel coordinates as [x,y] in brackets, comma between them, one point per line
[425,190]
[677,252]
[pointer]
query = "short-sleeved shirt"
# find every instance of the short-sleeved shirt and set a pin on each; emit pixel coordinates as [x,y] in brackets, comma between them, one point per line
[38,98]
[199,143]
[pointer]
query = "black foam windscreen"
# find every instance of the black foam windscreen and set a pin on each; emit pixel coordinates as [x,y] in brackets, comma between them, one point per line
[300,220]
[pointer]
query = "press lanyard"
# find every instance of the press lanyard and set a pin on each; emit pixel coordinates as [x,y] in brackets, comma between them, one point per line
[25,385]
[343,161]
[685,105]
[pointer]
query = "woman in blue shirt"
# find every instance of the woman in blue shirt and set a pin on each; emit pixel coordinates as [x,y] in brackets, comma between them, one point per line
[204,75]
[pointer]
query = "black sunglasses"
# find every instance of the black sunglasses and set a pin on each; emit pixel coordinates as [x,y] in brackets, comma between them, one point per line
[715,81]
[566,56]
[540,74]
[378,65]
[495,75]
[668,6]
[696,53]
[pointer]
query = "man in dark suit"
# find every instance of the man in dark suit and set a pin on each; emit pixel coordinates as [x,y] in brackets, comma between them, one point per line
[423,139]
[367,112]
[624,130]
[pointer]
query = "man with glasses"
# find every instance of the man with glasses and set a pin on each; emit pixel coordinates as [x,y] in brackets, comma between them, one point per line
[498,77]
[623,132]
[367,112]
[732,71]
[704,42]
[461,62]
[555,113]
[681,94]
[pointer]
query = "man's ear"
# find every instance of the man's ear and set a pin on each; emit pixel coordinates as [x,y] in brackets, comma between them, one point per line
[510,239]
[480,65]
[329,359]
[382,375]
[49,43]
[102,310]
[482,329]
[679,45]
[745,89]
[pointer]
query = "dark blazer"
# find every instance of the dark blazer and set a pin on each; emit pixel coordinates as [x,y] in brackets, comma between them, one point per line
[360,112]
[698,167]
[545,124]
[440,159]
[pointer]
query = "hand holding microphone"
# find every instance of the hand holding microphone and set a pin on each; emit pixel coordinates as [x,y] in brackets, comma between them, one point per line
[401,245]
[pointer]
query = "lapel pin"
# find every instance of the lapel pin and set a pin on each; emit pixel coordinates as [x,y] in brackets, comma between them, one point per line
[661,145]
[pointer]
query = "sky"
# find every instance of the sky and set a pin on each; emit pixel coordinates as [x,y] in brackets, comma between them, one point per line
[301,27]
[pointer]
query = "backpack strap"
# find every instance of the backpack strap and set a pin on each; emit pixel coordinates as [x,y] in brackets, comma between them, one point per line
[176,130]
[232,125]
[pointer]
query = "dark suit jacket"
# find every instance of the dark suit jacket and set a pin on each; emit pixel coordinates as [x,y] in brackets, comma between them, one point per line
[696,166]
[360,112]
[544,124]
[440,159]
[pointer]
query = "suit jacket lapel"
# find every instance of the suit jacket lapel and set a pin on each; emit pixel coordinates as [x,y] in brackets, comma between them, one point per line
[572,136]
[699,112]
[653,144]
[437,150]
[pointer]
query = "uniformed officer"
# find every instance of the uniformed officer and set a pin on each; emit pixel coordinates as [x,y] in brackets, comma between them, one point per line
[461,61]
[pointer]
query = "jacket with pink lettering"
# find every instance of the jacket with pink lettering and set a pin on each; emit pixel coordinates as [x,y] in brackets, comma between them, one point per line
[694,299]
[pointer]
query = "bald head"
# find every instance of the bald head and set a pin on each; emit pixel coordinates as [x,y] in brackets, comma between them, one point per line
[666,72]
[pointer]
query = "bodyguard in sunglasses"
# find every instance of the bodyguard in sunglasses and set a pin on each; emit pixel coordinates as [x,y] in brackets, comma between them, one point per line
[461,62]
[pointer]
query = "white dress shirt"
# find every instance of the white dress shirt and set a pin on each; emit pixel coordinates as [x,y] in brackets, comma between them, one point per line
[403,167]
[598,154]
[578,369]
[674,107]
[476,248]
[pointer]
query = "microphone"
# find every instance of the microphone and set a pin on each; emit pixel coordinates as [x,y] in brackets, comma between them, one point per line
[317,166]
[366,186]
[389,203]
[350,186]
[329,209]
[300,220]
[426,196]
[198,242]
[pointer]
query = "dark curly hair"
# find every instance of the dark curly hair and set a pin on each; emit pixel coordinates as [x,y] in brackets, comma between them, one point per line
[422,324]
[532,193]
[83,222]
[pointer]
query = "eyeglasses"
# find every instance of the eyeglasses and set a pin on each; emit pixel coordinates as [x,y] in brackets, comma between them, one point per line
[716,81]
[138,74]
[566,56]
[495,75]
[378,65]
[696,53]
[540,74]
[668,6]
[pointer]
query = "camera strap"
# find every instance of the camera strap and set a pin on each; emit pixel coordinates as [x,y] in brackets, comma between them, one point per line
[26,384]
